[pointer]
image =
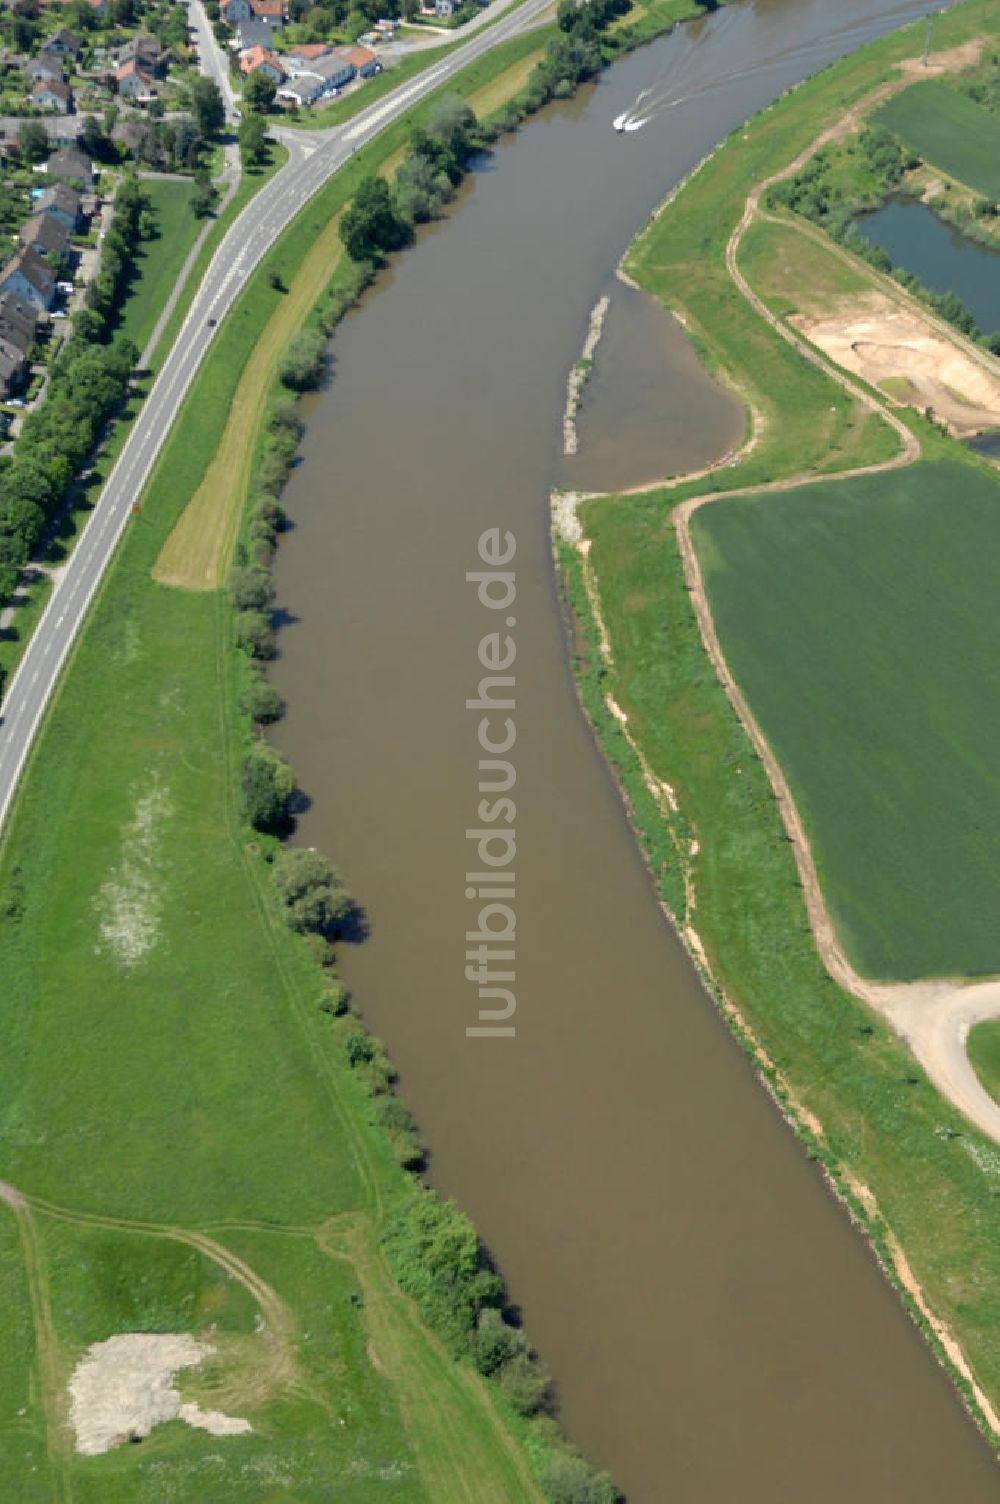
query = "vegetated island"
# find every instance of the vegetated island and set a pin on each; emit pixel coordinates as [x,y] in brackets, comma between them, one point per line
[786,660]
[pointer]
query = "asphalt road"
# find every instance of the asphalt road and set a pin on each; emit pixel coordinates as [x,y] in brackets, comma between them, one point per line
[315,157]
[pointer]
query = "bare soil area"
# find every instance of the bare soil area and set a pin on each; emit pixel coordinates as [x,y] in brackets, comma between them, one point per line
[887,345]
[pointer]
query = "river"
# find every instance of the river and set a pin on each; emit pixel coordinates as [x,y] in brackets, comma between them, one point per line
[716,1329]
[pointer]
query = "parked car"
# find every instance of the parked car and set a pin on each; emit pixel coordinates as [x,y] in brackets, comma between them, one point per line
[64,286]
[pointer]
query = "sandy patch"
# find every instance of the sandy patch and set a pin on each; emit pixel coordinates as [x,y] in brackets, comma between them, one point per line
[122,1388]
[128,904]
[887,344]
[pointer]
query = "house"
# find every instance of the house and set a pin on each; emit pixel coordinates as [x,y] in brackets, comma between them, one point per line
[44,70]
[52,95]
[45,234]
[18,321]
[362,60]
[254,33]
[60,202]
[29,276]
[72,164]
[131,134]
[62,43]
[260,60]
[134,83]
[235,11]
[13,366]
[144,50]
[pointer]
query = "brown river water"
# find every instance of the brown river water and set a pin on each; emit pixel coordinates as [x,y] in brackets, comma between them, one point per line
[716,1329]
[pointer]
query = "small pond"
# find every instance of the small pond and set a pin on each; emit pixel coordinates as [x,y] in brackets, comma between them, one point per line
[920,241]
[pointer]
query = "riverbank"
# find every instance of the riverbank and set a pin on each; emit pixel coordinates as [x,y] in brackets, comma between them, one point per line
[890,1144]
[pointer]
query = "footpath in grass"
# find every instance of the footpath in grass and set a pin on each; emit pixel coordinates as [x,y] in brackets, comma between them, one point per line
[858,617]
[721,857]
[949,130]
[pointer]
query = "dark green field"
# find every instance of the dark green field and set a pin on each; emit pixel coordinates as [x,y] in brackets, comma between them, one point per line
[860,617]
[949,130]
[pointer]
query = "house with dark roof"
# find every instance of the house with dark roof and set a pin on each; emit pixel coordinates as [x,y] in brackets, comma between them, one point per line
[52,94]
[61,202]
[72,164]
[18,321]
[29,276]
[131,134]
[62,43]
[144,50]
[46,235]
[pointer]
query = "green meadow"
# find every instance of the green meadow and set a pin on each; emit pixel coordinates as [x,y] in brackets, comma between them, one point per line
[949,130]
[858,616]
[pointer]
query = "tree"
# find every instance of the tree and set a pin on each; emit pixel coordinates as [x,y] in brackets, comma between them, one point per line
[311,891]
[204,196]
[371,225]
[250,587]
[258,93]
[268,784]
[301,365]
[206,101]
[33,139]
[568,1479]
[255,634]
[93,139]
[262,702]
[253,140]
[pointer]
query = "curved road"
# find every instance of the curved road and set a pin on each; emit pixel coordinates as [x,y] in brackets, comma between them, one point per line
[315,158]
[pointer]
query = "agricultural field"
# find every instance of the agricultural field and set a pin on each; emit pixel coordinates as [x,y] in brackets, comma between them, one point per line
[950,131]
[858,616]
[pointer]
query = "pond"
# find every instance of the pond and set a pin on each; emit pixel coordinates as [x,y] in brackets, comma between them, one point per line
[921,242]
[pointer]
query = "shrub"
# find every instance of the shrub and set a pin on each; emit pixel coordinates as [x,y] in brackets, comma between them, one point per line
[494,1342]
[525,1384]
[568,1479]
[301,366]
[436,1258]
[310,889]
[398,1123]
[335,999]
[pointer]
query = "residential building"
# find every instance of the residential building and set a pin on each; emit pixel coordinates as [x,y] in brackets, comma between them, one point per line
[62,43]
[144,50]
[134,83]
[61,202]
[44,69]
[72,164]
[130,133]
[260,60]
[235,11]
[29,276]
[13,368]
[256,33]
[45,234]
[299,59]
[52,94]
[324,76]
[18,321]
[362,60]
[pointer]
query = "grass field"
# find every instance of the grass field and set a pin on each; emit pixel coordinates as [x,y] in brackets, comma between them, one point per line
[794,273]
[160,259]
[949,130]
[857,617]
[984,1052]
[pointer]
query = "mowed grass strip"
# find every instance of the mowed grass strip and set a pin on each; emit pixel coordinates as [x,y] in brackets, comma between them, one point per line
[160,259]
[494,95]
[197,553]
[949,130]
[859,618]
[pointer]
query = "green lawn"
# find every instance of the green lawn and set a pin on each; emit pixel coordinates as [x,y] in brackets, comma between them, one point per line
[859,617]
[950,130]
[161,258]
[984,1052]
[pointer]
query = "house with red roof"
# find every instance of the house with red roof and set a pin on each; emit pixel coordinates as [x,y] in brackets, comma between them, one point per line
[134,83]
[262,60]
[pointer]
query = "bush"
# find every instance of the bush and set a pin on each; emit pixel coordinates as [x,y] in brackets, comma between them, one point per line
[436,1258]
[301,366]
[525,1384]
[567,1479]
[398,1123]
[494,1343]
[372,225]
[335,999]
[268,784]
[255,634]
[311,892]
